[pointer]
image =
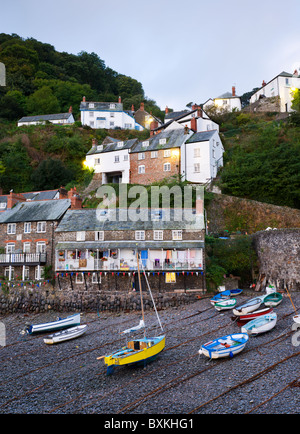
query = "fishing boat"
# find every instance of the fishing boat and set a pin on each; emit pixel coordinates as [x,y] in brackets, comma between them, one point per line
[225,304]
[61,323]
[260,325]
[224,295]
[273,299]
[255,314]
[226,346]
[136,351]
[236,291]
[296,318]
[66,335]
[249,306]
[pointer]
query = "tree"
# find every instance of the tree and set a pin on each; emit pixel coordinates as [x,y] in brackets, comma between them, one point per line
[51,174]
[296,100]
[43,101]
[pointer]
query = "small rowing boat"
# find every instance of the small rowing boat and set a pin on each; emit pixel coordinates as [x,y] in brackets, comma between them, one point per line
[225,304]
[249,306]
[260,325]
[60,324]
[273,299]
[225,295]
[226,346]
[66,335]
[253,315]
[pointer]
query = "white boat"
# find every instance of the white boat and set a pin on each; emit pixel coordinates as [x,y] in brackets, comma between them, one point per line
[225,304]
[296,318]
[249,306]
[66,335]
[60,324]
[226,346]
[260,325]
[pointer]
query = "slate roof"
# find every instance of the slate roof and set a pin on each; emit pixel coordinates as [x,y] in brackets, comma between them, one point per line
[175,115]
[96,220]
[53,117]
[227,95]
[202,136]
[101,106]
[73,245]
[113,146]
[36,211]
[174,139]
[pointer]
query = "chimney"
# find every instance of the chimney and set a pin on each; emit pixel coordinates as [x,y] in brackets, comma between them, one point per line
[70,109]
[83,99]
[295,73]
[263,83]
[233,90]
[76,201]
[153,125]
[194,124]
[14,198]
[194,106]
[199,112]
[142,106]
[63,194]
[94,143]
[132,108]
[166,109]
[119,100]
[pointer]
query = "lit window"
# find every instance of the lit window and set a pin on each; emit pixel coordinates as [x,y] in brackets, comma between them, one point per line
[176,235]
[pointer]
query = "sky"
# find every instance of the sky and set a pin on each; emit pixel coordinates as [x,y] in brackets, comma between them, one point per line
[180,51]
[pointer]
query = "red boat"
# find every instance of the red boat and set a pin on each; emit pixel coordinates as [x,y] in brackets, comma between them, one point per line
[242,319]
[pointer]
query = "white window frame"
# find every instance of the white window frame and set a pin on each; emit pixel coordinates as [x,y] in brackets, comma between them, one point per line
[141,169]
[26,247]
[167,153]
[97,161]
[167,167]
[79,278]
[10,248]
[141,156]
[162,141]
[196,167]
[196,152]
[139,235]
[11,228]
[6,272]
[40,247]
[96,278]
[41,227]
[26,273]
[158,235]
[177,235]
[125,157]
[38,273]
[80,236]
[117,158]
[99,235]
[154,154]
[27,227]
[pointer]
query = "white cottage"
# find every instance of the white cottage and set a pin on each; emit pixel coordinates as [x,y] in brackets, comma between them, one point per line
[281,86]
[108,115]
[57,119]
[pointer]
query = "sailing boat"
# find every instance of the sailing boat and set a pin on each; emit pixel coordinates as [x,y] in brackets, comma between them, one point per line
[136,351]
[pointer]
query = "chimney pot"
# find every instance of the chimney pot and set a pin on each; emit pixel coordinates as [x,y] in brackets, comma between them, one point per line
[83,99]
[70,109]
[263,83]
[142,106]
[120,100]
[167,109]
[194,124]
[233,90]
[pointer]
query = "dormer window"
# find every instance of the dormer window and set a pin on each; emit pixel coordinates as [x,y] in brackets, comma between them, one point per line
[162,141]
[112,106]
[100,148]
[91,105]
[120,144]
[145,144]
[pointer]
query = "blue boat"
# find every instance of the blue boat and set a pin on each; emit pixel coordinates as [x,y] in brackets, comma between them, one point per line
[226,346]
[225,295]
[70,321]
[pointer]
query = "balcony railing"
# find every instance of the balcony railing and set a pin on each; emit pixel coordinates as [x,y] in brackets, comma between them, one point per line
[23,258]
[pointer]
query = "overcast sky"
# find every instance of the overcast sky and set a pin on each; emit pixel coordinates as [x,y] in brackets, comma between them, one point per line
[180,51]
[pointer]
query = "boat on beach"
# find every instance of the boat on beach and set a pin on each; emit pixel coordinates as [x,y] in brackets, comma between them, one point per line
[225,295]
[273,299]
[136,351]
[225,304]
[226,346]
[255,314]
[66,335]
[259,325]
[59,324]
[249,306]
[296,319]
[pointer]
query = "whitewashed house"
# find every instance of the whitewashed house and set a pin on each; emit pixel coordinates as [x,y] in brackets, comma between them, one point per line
[228,101]
[281,86]
[195,119]
[108,115]
[57,119]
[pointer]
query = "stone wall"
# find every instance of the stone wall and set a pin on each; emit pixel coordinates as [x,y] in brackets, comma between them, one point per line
[279,257]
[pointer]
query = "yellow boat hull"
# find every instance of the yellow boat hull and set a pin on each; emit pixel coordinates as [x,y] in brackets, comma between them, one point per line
[137,351]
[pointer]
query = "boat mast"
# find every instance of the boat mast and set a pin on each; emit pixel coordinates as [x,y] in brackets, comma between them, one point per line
[140,285]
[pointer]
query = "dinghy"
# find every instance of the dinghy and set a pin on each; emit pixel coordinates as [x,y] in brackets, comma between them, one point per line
[225,304]
[273,299]
[226,346]
[296,318]
[260,325]
[136,351]
[236,291]
[249,306]
[66,335]
[224,295]
[60,324]
[255,314]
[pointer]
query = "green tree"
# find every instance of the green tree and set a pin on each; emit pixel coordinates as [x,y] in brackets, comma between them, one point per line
[51,174]
[43,101]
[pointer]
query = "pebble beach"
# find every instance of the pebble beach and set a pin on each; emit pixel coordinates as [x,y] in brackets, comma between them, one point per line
[67,378]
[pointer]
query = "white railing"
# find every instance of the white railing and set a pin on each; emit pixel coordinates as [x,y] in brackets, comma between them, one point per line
[22,258]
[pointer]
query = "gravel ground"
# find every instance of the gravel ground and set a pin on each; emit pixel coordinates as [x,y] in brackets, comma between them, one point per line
[67,378]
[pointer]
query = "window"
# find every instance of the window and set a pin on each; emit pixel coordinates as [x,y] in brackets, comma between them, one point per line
[176,235]
[141,169]
[99,147]
[11,228]
[167,167]
[79,278]
[128,126]
[141,156]
[196,167]
[2,205]
[39,273]
[6,273]
[154,154]
[111,124]
[145,144]
[26,273]
[27,228]
[117,159]
[41,247]
[91,114]
[96,278]
[112,106]
[158,235]
[97,161]
[26,247]
[99,235]
[112,115]
[167,153]
[120,144]
[140,235]
[41,227]
[126,157]
[91,105]
[196,152]
[10,248]
[80,236]
[162,141]
[170,277]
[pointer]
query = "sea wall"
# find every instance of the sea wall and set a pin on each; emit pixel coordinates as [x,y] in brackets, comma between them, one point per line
[278,252]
